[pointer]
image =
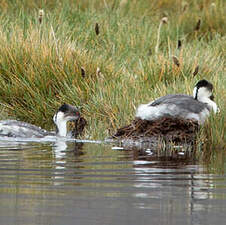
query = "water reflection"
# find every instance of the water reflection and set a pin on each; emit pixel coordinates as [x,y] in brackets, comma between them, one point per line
[66,182]
[173,178]
[60,149]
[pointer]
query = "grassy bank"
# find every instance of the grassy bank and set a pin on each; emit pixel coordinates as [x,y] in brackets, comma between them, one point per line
[108,57]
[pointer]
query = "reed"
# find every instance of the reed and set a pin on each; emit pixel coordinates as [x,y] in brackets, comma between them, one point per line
[61,54]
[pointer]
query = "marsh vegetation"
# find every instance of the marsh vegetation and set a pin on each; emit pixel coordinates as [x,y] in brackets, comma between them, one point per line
[108,57]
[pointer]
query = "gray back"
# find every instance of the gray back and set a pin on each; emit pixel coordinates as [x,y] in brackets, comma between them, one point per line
[21,129]
[184,102]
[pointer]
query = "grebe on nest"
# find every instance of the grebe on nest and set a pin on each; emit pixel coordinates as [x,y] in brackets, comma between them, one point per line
[14,128]
[175,118]
[181,106]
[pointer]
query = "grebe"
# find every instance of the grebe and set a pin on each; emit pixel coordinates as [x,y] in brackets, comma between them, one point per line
[14,128]
[182,106]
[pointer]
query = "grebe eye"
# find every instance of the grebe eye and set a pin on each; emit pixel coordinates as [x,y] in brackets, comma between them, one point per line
[77,113]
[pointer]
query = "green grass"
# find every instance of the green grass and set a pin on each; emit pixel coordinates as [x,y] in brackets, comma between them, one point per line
[40,64]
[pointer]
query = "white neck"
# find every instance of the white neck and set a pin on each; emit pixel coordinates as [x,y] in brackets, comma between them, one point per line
[61,124]
[62,128]
[211,104]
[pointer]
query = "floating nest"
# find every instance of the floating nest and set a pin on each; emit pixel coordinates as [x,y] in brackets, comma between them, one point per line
[157,134]
[174,130]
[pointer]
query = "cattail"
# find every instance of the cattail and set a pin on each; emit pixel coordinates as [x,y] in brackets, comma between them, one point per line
[97,29]
[164,19]
[98,72]
[149,52]
[197,27]
[179,44]
[41,15]
[184,6]
[176,61]
[196,70]
[213,5]
[83,72]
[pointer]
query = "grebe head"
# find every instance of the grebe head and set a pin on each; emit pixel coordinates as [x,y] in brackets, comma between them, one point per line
[203,93]
[203,89]
[64,114]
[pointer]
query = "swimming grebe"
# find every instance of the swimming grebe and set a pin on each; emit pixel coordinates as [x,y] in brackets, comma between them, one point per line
[182,106]
[14,128]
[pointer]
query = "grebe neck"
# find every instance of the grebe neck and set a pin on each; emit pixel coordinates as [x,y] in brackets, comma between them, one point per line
[61,128]
[211,104]
[61,124]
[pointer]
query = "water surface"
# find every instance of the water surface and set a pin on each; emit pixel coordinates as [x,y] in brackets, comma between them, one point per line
[64,182]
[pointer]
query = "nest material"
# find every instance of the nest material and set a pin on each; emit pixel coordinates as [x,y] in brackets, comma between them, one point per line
[78,127]
[169,129]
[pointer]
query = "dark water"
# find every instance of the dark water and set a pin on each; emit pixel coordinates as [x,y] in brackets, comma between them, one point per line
[67,183]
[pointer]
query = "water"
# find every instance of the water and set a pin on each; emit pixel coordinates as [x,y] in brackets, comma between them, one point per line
[69,183]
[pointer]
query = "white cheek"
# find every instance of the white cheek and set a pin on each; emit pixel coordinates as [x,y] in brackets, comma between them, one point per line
[204,92]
